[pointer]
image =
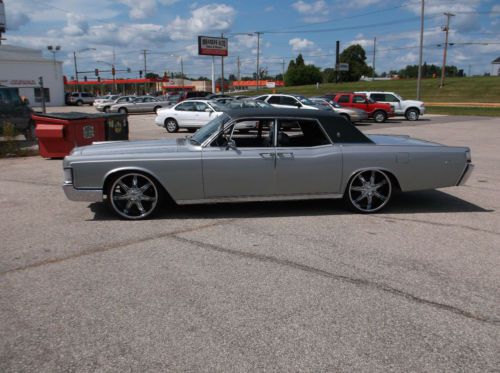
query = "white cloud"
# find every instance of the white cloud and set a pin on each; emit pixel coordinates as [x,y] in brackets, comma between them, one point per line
[140,9]
[269,8]
[208,18]
[15,19]
[76,25]
[299,44]
[316,11]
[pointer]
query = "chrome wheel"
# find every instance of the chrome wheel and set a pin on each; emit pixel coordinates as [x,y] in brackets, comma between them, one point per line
[369,191]
[133,196]
[171,125]
[412,114]
[379,117]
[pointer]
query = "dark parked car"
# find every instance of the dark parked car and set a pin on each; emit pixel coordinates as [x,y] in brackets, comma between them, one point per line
[16,111]
[195,95]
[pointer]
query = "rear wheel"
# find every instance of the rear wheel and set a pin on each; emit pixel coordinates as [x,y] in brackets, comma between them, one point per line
[412,114]
[134,195]
[122,110]
[368,191]
[379,116]
[347,117]
[171,125]
[79,103]
[156,109]
[106,109]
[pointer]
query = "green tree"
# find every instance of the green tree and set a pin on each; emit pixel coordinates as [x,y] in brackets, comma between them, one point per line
[328,75]
[355,56]
[299,73]
[152,76]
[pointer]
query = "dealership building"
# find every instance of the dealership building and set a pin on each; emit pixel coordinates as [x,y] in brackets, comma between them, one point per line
[21,68]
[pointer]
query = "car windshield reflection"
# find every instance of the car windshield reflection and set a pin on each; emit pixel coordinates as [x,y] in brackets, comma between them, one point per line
[211,127]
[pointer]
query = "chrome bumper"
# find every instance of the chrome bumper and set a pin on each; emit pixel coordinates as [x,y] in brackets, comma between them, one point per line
[83,195]
[466,174]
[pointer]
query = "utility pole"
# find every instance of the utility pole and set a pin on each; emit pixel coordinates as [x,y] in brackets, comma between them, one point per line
[222,70]
[238,66]
[283,69]
[144,51]
[373,63]
[419,77]
[446,29]
[182,72]
[258,57]
[76,72]
[337,61]
[42,94]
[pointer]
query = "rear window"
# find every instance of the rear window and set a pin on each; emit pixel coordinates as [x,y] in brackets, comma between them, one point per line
[344,99]
[342,132]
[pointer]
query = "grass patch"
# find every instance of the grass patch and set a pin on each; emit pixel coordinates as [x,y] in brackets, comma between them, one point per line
[455,110]
[475,89]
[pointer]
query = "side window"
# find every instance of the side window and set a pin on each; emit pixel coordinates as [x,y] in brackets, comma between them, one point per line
[300,133]
[377,97]
[344,99]
[181,107]
[359,99]
[74,95]
[256,134]
[390,98]
[201,106]
[286,100]
[274,100]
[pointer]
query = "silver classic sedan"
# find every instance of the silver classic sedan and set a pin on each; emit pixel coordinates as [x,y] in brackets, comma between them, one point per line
[291,154]
[141,104]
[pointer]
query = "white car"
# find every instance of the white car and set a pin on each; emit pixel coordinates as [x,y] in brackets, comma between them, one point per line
[288,101]
[105,104]
[190,114]
[410,109]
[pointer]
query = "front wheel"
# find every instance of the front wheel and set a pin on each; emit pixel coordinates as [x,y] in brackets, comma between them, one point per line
[122,110]
[134,196]
[156,109]
[368,191]
[346,117]
[171,125]
[79,103]
[412,114]
[106,109]
[379,116]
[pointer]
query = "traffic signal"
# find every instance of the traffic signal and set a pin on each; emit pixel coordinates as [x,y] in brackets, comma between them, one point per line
[113,71]
[96,72]
[99,79]
[85,78]
[40,81]
[140,73]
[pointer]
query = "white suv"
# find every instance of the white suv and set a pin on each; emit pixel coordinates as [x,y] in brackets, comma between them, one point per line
[411,109]
[288,101]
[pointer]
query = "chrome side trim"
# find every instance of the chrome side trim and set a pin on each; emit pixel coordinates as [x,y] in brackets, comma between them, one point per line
[296,197]
[469,167]
[82,195]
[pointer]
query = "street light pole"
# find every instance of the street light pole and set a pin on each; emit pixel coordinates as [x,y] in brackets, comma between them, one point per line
[419,77]
[447,28]
[76,72]
[182,72]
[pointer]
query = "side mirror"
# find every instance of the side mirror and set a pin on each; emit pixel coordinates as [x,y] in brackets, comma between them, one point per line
[298,104]
[208,110]
[231,144]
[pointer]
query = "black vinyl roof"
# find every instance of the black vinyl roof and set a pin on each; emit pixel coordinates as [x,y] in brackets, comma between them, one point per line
[338,129]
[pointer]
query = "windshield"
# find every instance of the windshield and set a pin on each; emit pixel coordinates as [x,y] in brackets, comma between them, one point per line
[211,127]
[304,100]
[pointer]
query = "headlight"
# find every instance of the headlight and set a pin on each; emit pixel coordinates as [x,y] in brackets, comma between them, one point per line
[68,175]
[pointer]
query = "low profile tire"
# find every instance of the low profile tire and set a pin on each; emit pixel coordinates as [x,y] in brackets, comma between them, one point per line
[368,191]
[346,117]
[106,109]
[123,110]
[379,116]
[171,125]
[134,195]
[412,114]
[79,103]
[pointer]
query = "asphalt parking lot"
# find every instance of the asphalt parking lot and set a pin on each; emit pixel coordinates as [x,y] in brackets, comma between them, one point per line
[285,286]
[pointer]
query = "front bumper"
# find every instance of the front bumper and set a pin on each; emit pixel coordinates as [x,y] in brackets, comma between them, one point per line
[82,195]
[466,174]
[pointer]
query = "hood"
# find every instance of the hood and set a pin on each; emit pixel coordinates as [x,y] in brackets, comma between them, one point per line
[399,140]
[131,147]
[414,103]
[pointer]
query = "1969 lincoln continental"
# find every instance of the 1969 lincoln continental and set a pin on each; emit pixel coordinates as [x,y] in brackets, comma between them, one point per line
[291,154]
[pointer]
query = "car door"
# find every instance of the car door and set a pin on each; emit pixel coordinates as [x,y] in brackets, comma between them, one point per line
[184,114]
[245,170]
[307,163]
[203,114]
[360,102]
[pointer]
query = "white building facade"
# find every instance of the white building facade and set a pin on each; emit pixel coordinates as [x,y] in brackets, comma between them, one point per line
[21,68]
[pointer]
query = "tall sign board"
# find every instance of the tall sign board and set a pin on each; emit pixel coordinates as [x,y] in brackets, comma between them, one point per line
[210,46]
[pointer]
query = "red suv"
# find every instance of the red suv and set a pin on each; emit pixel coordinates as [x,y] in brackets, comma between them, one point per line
[376,110]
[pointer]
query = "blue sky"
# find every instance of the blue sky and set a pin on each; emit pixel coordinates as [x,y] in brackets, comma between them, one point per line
[168,29]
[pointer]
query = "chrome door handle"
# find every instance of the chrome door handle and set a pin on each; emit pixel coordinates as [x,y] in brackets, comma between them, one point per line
[285,155]
[267,155]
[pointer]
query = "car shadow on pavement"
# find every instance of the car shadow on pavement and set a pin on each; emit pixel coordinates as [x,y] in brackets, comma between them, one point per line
[431,201]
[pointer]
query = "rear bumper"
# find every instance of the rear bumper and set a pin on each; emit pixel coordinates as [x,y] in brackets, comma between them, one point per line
[466,174]
[82,195]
